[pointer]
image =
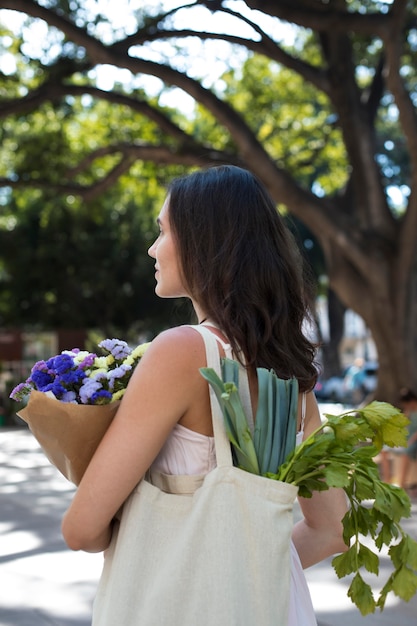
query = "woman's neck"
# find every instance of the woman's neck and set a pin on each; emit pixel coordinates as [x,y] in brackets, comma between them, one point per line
[201,315]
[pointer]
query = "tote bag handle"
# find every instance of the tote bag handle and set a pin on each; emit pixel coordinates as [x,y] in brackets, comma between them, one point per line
[221,441]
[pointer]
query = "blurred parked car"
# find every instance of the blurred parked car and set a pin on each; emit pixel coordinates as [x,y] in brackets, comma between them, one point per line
[330,389]
[358,381]
[371,377]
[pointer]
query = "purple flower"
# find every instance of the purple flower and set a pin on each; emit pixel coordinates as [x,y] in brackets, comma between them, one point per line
[69,396]
[114,376]
[62,363]
[43,366]
[88,361]
[102,396]
[118,348]
[72,377]
[41,379]
[20,392]
[84,382]
[88,388]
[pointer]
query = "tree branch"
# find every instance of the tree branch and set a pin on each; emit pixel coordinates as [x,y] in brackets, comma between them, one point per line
[266,47]
[51,17]
[99,53]
[53,91]
[109,179]
[322,18]
[162,154]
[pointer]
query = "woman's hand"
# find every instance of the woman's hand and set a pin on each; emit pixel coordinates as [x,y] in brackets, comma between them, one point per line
[165,388]
[320,534]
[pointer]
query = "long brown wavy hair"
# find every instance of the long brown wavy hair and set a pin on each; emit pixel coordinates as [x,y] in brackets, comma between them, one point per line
[242,266]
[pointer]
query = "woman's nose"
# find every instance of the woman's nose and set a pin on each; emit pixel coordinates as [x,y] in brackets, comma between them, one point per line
[151,250]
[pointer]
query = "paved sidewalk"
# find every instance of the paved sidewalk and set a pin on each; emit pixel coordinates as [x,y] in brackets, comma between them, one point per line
[42,583]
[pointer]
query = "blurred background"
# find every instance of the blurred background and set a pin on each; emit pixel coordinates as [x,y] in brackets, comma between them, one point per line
[103,104]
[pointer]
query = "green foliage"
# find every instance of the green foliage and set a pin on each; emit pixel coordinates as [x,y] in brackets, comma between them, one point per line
[292,120]
[342,456]
[82,265]
[339,454]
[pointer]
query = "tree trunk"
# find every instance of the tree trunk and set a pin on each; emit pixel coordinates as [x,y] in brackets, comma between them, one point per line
[330,349]
[388,306]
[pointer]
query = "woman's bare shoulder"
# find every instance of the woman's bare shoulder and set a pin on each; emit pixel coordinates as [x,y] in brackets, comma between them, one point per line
[177,336]
[180,345]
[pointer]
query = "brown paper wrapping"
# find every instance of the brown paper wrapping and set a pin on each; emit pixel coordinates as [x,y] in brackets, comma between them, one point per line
[68,433]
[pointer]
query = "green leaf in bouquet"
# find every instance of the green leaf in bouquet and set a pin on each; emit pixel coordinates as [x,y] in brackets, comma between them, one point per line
[348,429]
[404,552]
[391,500]
[387,422]
[305,460]
[394,434]
[368,559]
[309,485]
[363,486]
[335,474]
[387,530]
[364,523]
[403,580]
[361,594]
[404,583]
[345,563]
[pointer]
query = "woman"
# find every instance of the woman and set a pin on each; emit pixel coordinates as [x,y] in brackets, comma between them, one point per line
[223,245]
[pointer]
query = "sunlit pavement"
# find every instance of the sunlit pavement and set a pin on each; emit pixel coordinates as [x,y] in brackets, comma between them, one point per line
[44,583]
[41,581]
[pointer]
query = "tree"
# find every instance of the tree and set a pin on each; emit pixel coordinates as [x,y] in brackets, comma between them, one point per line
[356,59]
[80,264]
[79,270]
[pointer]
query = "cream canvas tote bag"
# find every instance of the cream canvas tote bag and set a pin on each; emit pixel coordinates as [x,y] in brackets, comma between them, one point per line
[209,550]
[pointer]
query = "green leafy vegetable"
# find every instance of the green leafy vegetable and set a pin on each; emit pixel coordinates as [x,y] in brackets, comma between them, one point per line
[235,421]
[340,453]
[276,417]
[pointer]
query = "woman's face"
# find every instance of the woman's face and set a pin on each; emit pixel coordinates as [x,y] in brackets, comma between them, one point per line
[167,266]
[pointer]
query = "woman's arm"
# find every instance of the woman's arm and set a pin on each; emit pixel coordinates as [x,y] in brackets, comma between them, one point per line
[412,438]
[319,534]
[165,386]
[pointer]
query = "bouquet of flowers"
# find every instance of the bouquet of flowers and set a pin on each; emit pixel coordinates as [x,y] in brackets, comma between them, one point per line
[73,398]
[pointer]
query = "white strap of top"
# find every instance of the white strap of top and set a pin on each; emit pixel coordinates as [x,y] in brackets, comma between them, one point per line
[303,411]
[221,441]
